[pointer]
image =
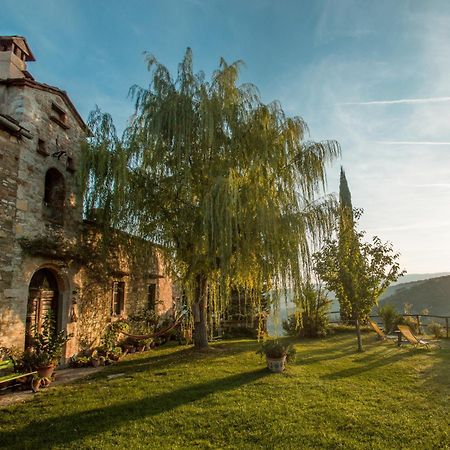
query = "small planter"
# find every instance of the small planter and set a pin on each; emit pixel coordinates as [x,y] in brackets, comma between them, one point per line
[276,365]
[46,371]
[277,354]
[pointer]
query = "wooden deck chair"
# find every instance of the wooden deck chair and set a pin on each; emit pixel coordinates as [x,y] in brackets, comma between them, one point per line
[381,334]
[412,339]
[377,330]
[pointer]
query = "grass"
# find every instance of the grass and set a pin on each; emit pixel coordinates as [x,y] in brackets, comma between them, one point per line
[330,397]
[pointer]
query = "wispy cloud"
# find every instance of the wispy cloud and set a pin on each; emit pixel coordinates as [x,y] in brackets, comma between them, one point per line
[411,143]
[401,101]
[431,185]
[413,226]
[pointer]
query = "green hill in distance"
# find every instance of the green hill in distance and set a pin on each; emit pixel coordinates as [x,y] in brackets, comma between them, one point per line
[409,277]
[431,291]
[432,294]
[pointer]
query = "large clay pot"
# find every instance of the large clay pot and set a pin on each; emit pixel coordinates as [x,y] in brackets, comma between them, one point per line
[276,365]
[45,371]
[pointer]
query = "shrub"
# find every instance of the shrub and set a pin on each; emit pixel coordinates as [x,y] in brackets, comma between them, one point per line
[79,361]
[47,345]
[111,335]
[436,329]
[312,318]
[390,317]
[143,322]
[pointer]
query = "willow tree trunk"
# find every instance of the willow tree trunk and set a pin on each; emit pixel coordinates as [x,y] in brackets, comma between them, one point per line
[358,334]
[200,335]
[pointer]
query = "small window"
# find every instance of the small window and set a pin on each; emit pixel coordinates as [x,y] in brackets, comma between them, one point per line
[42,148]
[70,165]
[118,298]
[59,116]
[151,297]
[54,196]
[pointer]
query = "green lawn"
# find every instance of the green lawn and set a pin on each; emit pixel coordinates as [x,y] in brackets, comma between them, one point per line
[331,397]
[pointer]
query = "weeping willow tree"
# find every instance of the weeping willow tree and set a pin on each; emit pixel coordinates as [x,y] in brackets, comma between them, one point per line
[227,186]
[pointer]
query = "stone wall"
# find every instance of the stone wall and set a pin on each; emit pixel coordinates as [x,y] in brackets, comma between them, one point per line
[24,163]
[9,166]
[85,295]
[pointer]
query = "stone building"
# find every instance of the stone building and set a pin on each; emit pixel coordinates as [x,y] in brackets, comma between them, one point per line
[46,254]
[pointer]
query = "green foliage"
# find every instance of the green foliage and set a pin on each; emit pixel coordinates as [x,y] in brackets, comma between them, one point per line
[276,349]
[47,345]
[111,335]
[345,197]
[357,271]
[390,317]
[227,185]
[76,361]
[358,285]
[436,329]
[311,316]
[143,322]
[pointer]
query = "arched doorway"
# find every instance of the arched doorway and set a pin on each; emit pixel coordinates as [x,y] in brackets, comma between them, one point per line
[43,297]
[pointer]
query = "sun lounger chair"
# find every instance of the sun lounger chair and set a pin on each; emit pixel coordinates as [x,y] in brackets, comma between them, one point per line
[377,330]
[381,334]
[412,339]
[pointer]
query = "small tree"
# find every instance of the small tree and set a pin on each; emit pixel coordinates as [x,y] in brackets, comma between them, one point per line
[311,316]
[358,273]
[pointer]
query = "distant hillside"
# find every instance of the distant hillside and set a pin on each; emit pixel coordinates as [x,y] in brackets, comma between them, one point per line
[432,294]
[409,277]
[431,291]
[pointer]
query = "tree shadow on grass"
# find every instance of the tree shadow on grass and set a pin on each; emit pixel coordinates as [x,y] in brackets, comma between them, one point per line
[186,355]
[317,356]
[56,431]
[370,362]
[327,349]
[436,376]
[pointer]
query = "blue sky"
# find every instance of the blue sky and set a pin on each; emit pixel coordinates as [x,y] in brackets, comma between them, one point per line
[373,75]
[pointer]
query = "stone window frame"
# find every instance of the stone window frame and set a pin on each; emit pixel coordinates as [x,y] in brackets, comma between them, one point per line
[70,164]
[59,116]
[42,147]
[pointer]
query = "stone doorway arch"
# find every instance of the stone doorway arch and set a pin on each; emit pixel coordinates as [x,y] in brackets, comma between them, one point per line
[43,297]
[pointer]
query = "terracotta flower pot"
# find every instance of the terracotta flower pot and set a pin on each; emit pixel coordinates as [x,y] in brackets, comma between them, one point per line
[45,371]
[276,365]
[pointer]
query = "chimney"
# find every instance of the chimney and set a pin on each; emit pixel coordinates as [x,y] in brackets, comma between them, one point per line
[14,54]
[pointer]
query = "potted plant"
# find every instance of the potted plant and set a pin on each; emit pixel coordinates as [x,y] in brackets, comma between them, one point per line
[115,353]
[47,348]
[276,354]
